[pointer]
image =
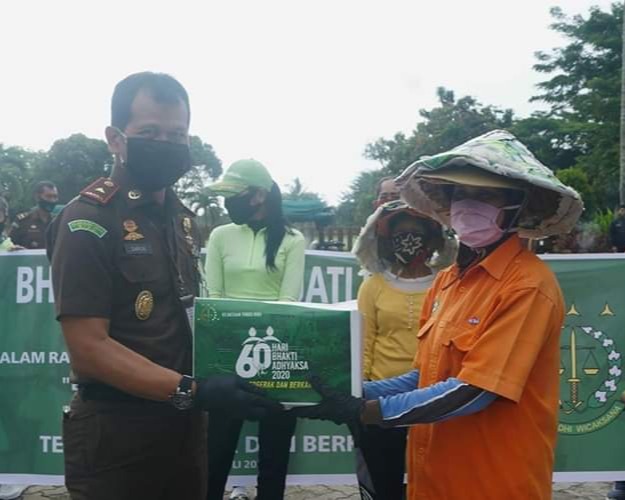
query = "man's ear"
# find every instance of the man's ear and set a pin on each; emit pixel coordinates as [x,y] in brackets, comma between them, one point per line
[115,140]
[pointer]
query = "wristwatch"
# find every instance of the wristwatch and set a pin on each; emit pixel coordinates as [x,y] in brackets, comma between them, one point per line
[183,397]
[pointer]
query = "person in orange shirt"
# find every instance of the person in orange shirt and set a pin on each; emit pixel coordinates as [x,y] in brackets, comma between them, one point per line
[482,401]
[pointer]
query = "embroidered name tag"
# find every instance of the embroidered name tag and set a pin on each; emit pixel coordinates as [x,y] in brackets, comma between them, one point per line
[137,248]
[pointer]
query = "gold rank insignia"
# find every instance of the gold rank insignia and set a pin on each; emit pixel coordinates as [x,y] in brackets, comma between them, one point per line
[144,305]
[131,227]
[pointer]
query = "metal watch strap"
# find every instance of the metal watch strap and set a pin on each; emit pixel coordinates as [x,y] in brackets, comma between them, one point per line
[186,385]
[183,397]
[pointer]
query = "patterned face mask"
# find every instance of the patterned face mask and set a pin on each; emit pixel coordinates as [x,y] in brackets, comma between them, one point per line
[409,246]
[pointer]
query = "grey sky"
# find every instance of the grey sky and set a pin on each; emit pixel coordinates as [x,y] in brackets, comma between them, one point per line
[302,86]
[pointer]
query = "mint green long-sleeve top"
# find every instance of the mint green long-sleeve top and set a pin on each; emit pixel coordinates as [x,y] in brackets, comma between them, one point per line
[236,266]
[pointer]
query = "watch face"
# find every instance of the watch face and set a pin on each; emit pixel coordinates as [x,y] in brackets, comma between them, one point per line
[181,401]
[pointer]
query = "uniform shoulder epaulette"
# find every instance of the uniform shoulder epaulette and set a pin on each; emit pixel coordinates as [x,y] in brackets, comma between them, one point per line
[22,215]
[100,191]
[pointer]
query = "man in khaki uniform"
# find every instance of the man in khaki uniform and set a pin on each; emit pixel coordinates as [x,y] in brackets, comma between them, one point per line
[124,258]
[29,228]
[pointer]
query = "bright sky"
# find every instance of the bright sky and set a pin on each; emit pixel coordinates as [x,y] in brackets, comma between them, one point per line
[302,86]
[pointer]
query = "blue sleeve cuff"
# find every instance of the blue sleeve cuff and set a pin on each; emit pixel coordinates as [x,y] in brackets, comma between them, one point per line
[391,386]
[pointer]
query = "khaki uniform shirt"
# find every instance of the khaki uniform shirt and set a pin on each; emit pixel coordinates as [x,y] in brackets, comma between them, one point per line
[117,254]
[29,228]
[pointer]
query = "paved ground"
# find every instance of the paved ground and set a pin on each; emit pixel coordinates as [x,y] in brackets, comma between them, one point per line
[562,491]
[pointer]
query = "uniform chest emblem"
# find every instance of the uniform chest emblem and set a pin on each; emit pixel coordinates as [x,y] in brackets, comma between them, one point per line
[131,228]
[474,320]
[144,304]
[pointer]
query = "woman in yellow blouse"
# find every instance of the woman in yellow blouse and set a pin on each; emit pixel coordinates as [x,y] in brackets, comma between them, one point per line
[401,249]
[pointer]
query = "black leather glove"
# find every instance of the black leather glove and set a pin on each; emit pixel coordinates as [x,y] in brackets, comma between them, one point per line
[338,407]
[233,394]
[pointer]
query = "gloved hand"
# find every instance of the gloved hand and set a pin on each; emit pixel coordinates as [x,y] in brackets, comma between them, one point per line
[233,394]
[338,407]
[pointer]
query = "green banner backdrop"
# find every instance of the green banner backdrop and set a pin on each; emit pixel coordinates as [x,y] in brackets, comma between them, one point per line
[35,386]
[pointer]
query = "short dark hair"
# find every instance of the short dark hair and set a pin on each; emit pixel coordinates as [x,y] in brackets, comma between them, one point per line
[40,186]
[622,205]
[162,87]
[378,186]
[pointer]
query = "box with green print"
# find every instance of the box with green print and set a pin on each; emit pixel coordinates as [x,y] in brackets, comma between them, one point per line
[276,345]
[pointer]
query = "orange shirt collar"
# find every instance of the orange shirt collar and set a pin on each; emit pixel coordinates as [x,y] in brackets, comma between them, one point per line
[495,263]
[498,260]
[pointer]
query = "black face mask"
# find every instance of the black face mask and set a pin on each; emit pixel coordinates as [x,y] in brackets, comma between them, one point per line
[239,208]
[48,206]
[155,165]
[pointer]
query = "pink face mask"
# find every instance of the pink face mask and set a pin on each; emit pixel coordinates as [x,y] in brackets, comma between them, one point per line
[475,222]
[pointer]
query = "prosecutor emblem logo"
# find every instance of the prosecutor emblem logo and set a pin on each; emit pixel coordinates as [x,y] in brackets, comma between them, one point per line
[591,371]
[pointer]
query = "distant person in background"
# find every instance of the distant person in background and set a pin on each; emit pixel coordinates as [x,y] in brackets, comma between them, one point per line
[260,257]
[397,247]
[29,228]
[6,245]
[617,230]
[386,190]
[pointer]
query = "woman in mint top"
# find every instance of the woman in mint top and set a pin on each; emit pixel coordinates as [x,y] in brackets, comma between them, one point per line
[259,256]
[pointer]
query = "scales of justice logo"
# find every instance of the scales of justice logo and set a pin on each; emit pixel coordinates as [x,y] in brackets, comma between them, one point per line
[591,371]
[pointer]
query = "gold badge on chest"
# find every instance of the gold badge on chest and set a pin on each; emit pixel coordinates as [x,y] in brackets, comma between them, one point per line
[144,305]
[131,228]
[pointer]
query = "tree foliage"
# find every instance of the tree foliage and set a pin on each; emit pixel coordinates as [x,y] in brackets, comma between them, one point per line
[73,163]
[76,161]
[578,136]
[584,94]
[452,122]
[193,187]
[297,191]
[16,167]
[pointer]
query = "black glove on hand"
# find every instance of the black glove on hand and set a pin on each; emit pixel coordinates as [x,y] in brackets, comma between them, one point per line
[233,394]
[339,407]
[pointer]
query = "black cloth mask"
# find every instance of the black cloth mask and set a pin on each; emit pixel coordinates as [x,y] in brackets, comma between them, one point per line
[240,209]
[48,206]
[155,165]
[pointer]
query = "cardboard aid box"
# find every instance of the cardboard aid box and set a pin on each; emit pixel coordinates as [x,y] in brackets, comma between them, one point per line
[276,345]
